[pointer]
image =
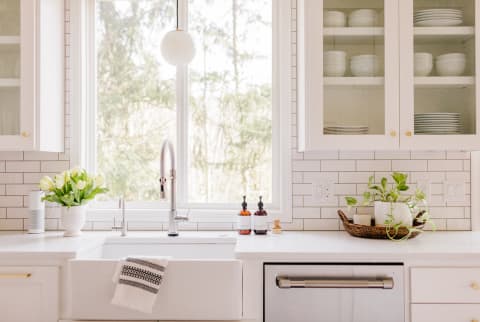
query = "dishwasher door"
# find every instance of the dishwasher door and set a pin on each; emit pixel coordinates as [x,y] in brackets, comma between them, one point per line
[333,293]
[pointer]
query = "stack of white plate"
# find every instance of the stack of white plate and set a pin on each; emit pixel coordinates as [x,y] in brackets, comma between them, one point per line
[438,123]
[364,65]
[334,63]
[334,18]
[438,17]
[339,129]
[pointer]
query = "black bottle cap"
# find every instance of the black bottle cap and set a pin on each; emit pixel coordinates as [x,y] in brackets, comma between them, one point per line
[244,203]
[260,203]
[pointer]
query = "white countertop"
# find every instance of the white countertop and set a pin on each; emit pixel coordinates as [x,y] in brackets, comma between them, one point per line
[319,245]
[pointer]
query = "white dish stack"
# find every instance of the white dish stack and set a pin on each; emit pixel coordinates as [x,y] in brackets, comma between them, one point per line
[452,64]
[340,129]
[438,17]
[364,65]
[334,18]
[334,63]
[438,123]
[363,18]
[423,63]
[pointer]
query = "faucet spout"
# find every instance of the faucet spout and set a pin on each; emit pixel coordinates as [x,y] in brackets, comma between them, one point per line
[173,218]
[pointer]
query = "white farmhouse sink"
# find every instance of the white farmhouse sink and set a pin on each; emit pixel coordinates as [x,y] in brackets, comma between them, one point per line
[203,281]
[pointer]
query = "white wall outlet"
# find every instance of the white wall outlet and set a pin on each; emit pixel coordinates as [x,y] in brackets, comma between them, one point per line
[454,191]
[323,192]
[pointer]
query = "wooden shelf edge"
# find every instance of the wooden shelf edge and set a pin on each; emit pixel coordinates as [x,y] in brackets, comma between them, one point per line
[353,31]
[354,81]
[439,81]
[9,82]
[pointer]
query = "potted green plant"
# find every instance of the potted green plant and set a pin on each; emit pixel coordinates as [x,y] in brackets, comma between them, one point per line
[72,190]
[393,206]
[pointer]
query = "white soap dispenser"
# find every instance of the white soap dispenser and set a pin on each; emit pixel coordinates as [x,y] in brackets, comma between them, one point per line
[36,213]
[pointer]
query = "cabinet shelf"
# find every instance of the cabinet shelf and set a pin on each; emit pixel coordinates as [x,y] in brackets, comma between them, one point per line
[9,40]
[353,35]
[438,82]
[443,33]
[353,81]
[9,82]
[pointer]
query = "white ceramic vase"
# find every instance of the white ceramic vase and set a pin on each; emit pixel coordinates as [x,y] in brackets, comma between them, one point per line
[400,211]
[73,219]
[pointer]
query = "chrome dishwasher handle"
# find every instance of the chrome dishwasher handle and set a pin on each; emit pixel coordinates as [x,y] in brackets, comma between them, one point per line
[301,282]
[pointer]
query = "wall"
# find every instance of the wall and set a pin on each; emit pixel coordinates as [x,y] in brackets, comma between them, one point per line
[346,171]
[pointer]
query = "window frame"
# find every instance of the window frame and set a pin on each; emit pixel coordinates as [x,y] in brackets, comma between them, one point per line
[83,111]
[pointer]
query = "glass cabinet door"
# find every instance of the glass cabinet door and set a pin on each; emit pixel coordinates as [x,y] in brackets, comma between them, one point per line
[350,48]
[438,74]
[10,62]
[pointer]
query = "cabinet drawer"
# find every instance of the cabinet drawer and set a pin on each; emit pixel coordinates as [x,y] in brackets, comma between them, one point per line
[445,313]
[445,285]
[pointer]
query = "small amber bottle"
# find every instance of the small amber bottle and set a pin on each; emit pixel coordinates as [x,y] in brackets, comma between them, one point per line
[244,219]
[260,225]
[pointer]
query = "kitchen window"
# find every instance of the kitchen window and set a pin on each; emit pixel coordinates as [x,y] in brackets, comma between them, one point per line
[227,113]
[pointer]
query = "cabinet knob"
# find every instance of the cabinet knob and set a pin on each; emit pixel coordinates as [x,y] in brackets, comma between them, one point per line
[474,320]
[25,134]
[408,133]
[393,134]
[475,286]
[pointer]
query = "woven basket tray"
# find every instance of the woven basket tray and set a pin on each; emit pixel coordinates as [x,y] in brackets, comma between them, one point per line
[377,232]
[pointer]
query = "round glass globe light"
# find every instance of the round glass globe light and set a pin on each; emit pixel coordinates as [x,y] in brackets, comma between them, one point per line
[177,47]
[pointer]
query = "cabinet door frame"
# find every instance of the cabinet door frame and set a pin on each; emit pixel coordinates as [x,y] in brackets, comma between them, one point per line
[310,83]
[408,139]
[46,277]
[26,136]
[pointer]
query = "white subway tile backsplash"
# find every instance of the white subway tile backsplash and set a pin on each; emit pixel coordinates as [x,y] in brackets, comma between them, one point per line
[22,166]
[302,189]
[6,178]
[445,165]
[11,201]
[55,166]
[357,155]
[322,155]
[462,155]
[306,212]
[306,165]
[11,155]
[338,165]
[321,224]
[40,156]
[409,165]
[392,155]
[11,224]
[354,177]
[20,189]
[458,224]
[374,165]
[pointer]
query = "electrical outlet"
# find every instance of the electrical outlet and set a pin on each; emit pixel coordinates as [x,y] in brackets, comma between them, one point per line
[323,192]
[454,191]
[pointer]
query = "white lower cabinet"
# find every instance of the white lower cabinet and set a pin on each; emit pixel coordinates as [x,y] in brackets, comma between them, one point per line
[445,313]
[29,294]
[445,294]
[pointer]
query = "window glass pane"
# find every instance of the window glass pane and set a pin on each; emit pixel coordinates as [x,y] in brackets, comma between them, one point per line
[135,94]
[230,101]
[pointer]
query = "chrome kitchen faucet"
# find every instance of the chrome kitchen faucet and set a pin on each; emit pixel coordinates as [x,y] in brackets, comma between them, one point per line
[173,218]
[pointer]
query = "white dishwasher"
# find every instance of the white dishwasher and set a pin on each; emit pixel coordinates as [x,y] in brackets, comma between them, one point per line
[311,292]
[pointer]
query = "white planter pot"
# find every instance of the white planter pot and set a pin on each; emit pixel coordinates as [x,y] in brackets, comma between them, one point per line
[362,219]
[401,213]
[72,220]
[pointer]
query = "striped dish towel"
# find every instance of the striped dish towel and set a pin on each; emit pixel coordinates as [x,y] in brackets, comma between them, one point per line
[138,281]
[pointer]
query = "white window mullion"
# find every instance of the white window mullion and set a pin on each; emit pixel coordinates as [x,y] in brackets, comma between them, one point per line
[182,116]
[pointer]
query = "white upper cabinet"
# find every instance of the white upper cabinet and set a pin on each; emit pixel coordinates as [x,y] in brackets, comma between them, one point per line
[32,75]
[358,85]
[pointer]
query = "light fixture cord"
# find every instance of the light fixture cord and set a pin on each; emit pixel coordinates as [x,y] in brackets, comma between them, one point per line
[177,14]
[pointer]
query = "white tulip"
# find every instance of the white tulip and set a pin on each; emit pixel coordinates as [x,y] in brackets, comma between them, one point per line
[46,183]
[75,171]
[59,181]
[66,176]
[81,184]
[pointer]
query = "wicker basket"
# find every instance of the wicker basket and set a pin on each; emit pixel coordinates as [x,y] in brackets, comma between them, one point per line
[378,232]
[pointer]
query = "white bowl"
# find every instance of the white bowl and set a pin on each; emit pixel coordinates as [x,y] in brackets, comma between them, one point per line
[334,71]
[423,64]
[335,53]
[452,55]
[334,18]
[363,18]
[447,68]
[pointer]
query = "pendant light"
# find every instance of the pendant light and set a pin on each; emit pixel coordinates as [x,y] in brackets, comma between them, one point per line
[177,46]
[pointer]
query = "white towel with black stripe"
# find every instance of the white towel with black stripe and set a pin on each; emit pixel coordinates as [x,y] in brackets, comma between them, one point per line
[138,280]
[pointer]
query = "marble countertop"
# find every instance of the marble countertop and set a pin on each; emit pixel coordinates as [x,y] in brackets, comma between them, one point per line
[294,246]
